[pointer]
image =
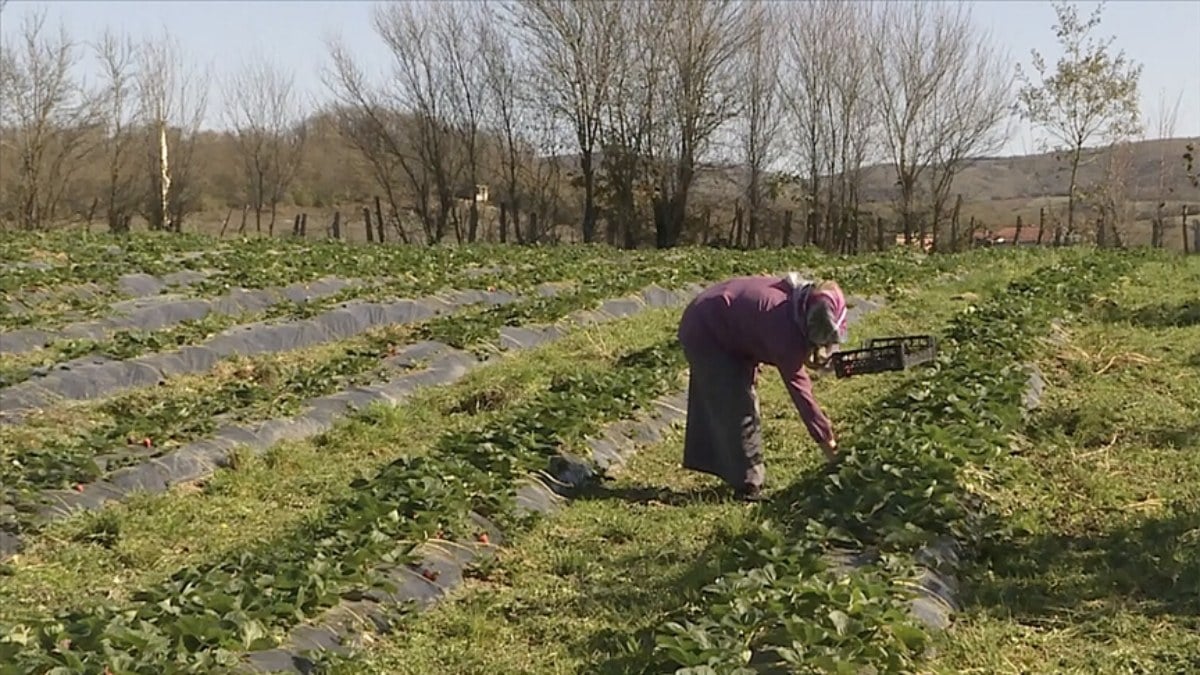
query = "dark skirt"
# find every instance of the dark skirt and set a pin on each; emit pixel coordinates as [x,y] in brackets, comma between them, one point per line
[723,435]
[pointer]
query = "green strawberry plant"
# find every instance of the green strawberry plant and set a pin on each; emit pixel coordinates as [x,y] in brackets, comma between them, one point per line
[897,489]
[201,616]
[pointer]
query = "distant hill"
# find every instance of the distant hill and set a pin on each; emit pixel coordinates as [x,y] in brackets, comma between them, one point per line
[1003,178]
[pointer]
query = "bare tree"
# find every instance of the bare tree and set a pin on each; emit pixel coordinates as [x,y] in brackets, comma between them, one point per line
[1112,195]
[457,28]
[629,122]
[118,57]
[848,121]
[262,108]
[914,50]
[973,100]
[572,46]
[701,54]
[376,132]
[48,117]
[174,99]
[1164,129]
[807,76]
[418,92]
[505,113]
[760,121]
[1089,94]
[542,178]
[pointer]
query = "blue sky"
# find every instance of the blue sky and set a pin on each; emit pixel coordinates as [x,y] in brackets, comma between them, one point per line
[1163,35]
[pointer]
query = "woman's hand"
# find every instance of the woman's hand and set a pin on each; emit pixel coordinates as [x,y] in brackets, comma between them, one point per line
[831,450]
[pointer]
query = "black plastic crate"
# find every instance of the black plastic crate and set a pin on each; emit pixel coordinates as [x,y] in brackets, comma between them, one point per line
[868,360]
[917,348]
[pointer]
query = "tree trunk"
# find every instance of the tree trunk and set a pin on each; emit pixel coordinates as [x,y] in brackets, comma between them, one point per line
[379,218]
[954,224]
[1158,226]
[503,222]
[1183,226]
[787,228]
[367,224]
[1071,194]
[589,196]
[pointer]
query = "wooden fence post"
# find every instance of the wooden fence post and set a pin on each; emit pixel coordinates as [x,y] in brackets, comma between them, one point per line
[958,202]
[296,226]
[1041,224]
[226,223]
[379,218]
[1157,227]
[367,224]
[1017,238]
[337,225]
[303,224]
[1183,214]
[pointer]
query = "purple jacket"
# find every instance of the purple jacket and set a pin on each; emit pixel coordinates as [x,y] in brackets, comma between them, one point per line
[751,318]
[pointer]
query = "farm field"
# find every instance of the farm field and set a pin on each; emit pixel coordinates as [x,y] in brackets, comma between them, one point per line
[224,456]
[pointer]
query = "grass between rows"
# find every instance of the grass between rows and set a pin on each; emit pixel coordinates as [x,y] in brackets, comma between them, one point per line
[191,636]
[574,594]
[59,447]
[1098,570]
[138,542]
[202,616]
[56,450]
[130,343]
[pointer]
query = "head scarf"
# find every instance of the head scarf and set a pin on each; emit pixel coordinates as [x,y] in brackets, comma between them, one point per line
[819,309]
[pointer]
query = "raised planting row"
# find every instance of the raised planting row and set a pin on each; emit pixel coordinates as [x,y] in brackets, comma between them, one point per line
[59,247]
[167,322]
[830,586]
[258,263]
[552,473]
[43,260]
[205,615]
[145,315]
[144,423]
[1095,569]
[404,273]
[600,277]
[45,309]
[137,326]
[47,460]
[97,377]
[585,399]
[194,416]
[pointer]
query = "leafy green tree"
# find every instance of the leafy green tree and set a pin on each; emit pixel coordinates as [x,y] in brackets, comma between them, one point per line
[1090,94]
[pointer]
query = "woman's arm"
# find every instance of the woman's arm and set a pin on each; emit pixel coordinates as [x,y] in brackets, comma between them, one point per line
[799,386]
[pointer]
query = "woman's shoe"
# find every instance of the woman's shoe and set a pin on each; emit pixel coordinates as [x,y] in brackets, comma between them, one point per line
[749,493]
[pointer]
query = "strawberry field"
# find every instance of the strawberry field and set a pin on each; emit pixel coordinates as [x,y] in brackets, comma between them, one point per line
[276,456]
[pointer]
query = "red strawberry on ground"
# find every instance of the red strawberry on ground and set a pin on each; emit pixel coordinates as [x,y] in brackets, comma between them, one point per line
[431,575]
[147,442]
[483,538]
